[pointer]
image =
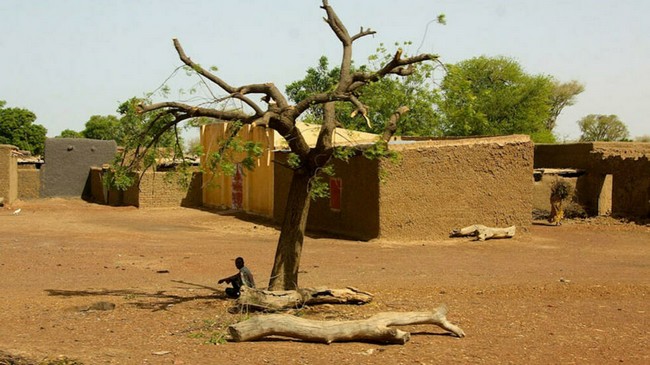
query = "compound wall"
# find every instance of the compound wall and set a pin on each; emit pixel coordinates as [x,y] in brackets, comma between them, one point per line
[618,170]
[351,211]
[441,185]
[68,162]
[434,187]
[159,190]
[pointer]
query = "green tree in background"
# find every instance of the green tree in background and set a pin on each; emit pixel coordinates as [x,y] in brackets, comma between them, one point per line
[381,97]
[598,127]
[103,127]
[318,79]
[494,96]
[17,128]
[69,133]
[563,95]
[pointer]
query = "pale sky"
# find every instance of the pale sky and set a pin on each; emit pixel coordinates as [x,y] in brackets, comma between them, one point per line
[67,60]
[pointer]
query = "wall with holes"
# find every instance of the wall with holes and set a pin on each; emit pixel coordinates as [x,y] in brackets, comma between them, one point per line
[67,165]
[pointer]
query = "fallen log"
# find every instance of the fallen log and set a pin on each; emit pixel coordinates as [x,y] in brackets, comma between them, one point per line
[483,233]
[374,329]
[257,299]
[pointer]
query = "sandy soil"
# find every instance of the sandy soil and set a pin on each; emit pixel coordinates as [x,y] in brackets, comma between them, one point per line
[574,294]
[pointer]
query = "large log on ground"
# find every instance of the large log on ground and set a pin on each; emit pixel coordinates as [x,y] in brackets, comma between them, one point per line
[266,300]
[482,232]
[374,329]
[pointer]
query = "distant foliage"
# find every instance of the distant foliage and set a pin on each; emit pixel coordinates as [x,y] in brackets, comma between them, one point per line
[494,96]
[598,127]
[69,133]
[126,129]
[17,128]
[382,97]
[563,95]
[103,127]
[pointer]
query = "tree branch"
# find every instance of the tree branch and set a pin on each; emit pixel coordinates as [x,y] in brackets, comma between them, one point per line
[362,33]
[395,66]
[336,24]
[195,111]
[391,125]
[214,78]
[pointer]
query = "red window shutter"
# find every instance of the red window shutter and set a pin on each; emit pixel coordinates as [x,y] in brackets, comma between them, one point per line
[336,189]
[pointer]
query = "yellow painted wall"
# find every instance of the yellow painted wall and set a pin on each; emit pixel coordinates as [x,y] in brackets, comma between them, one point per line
[258,183]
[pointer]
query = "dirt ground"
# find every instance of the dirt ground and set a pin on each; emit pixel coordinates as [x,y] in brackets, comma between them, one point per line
[574,294]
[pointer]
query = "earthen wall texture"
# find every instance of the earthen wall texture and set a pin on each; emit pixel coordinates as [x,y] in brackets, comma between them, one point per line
[442,185]
[68,162]
[571,155]
[627,162]
[157,190]
[29,183]
[358,216]
[8,174]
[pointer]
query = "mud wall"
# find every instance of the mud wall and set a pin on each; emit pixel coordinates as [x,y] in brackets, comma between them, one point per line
[159,190]
[8,174]
[622,167]
[441,185]
[357,216]
[155,190]
[628,165]
[571,155]
[68,162]
[29,183]
[256,185]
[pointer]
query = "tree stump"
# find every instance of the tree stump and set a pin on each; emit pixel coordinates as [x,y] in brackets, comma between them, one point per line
[374,329]
[256,299]
[483,233]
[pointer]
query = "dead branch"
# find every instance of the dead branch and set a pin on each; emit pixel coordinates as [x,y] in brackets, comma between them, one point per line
[265,300]
[483,233]
[377,328]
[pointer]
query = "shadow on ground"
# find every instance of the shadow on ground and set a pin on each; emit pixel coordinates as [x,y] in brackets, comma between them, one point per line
[155,301]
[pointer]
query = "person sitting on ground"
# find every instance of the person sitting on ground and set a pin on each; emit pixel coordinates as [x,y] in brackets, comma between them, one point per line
[243,277]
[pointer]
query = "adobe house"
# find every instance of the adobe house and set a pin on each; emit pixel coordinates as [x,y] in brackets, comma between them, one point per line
[436,186]
[614,176]
[253,191]
[153,189]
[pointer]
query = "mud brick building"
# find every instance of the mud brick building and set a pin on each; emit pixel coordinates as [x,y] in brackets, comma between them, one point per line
[434,187]
[614,179]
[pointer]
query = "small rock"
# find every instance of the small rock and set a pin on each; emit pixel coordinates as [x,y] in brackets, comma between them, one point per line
[368,352]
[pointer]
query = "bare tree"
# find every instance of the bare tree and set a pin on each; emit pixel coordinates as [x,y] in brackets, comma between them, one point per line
[277,113]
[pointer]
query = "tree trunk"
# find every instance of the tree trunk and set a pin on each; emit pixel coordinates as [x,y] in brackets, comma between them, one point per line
[284,275]
[376,328]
